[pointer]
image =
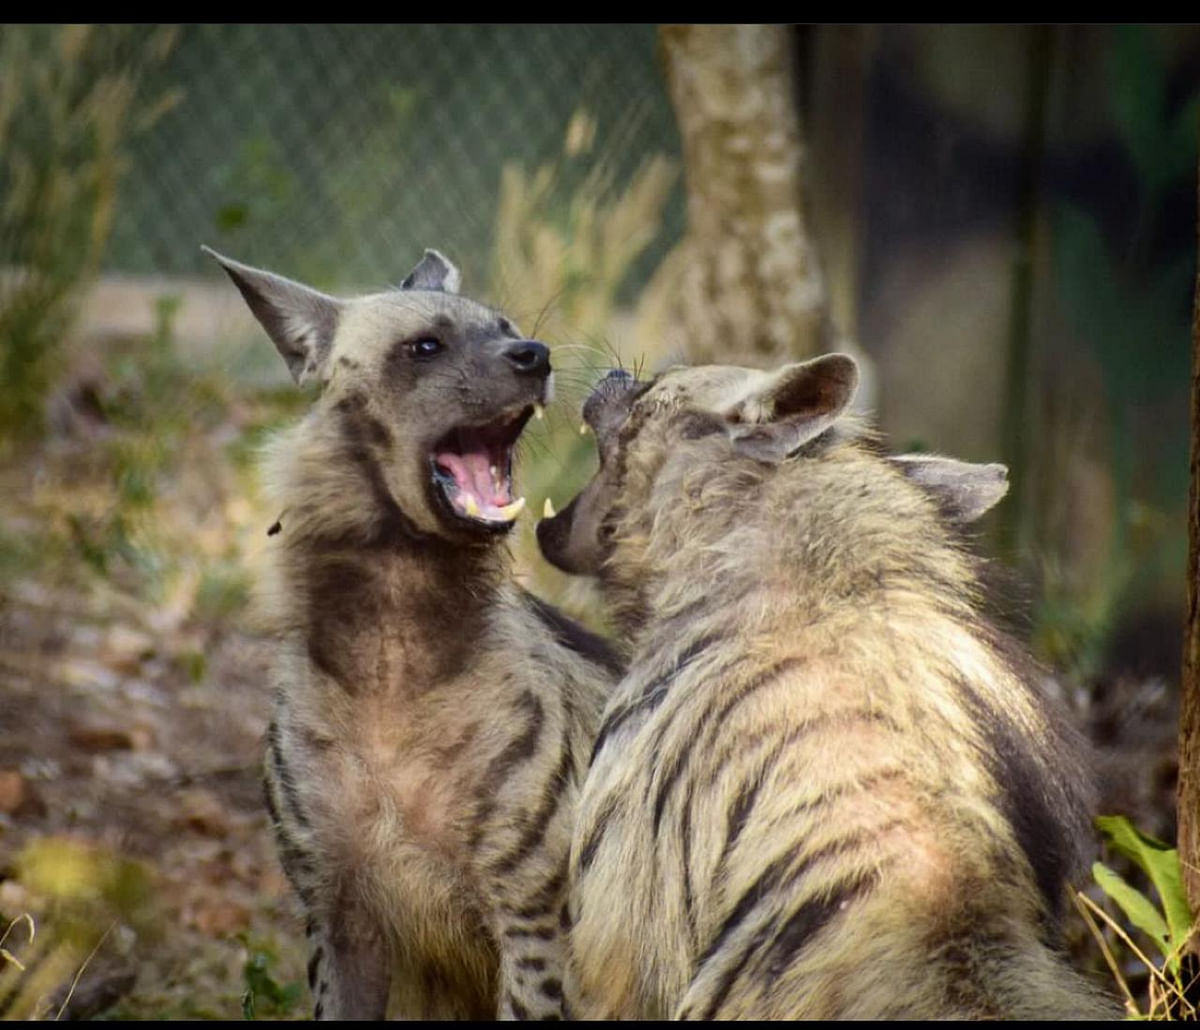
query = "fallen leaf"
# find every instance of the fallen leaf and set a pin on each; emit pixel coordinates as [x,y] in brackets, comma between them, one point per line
[95,737]
[12,790]
[201,810]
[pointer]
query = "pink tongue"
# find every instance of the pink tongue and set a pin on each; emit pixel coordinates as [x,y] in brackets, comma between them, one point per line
[473,475]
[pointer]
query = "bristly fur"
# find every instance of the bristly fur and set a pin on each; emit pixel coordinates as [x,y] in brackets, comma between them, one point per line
[827,787]
[432,720]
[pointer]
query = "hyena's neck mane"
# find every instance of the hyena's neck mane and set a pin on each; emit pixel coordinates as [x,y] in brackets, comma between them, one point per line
[372,598]
[833,536]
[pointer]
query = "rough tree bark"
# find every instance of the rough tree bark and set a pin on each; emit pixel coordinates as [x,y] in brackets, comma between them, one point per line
[745,285]
[1189,720]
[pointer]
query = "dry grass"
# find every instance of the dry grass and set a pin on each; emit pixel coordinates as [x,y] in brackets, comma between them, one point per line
[562,255]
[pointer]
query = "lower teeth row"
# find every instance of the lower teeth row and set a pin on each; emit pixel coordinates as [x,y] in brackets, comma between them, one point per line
[507,513]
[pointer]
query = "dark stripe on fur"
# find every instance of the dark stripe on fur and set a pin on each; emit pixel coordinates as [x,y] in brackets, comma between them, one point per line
[575,638]
[516,751]
[694,650]
[642,706]
[685,839]
[536,830]
[803,924]
[773,876]
[542,933]
[764,679]
[314,963]
[291,796]
[811,917]
[363,434]
[588,852]
[767,881]
[652,695]
[739,811]
[542,902]
[269,798]
[1021,781]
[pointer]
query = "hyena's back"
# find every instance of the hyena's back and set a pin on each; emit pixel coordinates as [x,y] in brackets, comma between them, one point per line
[831,852]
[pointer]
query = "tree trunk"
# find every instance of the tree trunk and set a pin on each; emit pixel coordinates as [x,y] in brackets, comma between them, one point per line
[1189,719]
[744,287]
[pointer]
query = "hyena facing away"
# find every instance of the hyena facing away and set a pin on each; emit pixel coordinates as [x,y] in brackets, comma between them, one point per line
[432,720]
[827,786]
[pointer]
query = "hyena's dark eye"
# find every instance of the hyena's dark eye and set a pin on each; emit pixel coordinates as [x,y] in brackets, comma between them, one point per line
[426,347]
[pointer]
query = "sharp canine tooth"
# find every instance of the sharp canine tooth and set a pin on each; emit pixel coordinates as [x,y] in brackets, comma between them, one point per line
[539,412]
[548,511]
[511,511]
[472,506]
[583,429]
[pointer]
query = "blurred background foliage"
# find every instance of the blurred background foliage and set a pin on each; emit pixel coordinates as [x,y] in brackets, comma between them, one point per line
[1006,217]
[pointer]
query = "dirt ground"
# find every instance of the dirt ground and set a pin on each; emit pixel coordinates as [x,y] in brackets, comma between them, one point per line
[133,700]
[109,748]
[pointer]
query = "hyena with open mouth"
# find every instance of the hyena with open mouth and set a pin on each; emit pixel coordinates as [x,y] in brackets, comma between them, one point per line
[432,720]
[828,786]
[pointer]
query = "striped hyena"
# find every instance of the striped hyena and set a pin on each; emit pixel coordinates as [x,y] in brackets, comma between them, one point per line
[828,786]
[432,719]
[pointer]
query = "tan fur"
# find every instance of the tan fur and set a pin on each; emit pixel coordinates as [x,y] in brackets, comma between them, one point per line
[827,786]
[432,720]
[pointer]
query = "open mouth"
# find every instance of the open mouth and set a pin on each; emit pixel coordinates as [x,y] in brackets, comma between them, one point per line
[472,469]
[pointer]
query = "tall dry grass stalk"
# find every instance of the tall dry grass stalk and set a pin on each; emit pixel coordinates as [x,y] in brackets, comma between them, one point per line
[562,254]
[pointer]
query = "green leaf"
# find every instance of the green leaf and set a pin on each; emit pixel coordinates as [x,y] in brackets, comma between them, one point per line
[1160,862]
[1138,909]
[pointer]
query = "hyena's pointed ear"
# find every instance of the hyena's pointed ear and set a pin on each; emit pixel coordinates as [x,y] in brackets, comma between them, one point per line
[300,320]
[798,403]
[964,491]
[433,272]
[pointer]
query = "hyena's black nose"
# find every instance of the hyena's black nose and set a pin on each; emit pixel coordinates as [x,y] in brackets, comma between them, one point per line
[529,358]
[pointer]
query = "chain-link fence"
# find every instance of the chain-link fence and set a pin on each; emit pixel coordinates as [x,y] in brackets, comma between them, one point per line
[338,152]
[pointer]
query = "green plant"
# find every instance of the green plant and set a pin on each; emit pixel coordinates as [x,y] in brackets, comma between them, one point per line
[1127,301]
[1168,923]
[68,103]
[264,996]
[85,893]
